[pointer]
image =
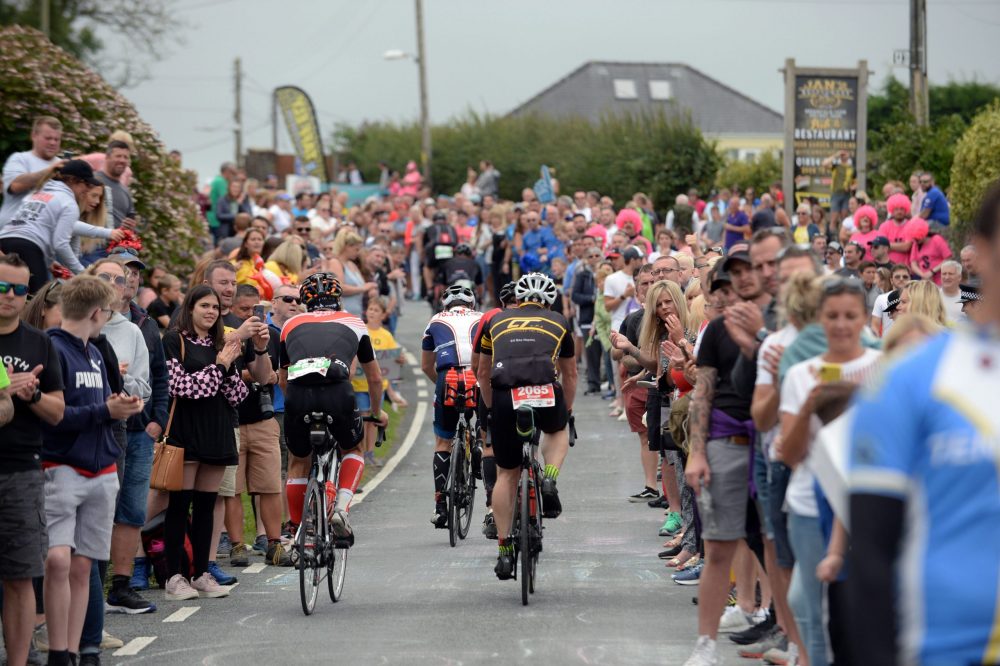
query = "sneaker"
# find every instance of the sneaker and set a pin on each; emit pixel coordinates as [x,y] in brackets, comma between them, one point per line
[703,654]
[140,574]
[688,576]
[340,525]
[220,576]
[646,495]
[760,615]
[128,601]
[551,506]
[659,503]
[505,566]
[207,586]
[90,659]
[109,642]
[35,657]
[178,589]
[40,639]
[490,527]
[225,545]
[288,530]
[755,633]
[786,657]
[734,619]
[238,556]
[773,639]
[277,555]
[260,545]
[440,519]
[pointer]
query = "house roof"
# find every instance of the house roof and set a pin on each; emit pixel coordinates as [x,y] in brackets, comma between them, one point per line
[590,91]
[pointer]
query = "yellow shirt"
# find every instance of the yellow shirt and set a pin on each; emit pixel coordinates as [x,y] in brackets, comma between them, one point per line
[381,340]
[273,266]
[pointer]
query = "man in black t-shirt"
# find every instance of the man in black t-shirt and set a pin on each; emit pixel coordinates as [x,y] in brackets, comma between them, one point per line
[34,396]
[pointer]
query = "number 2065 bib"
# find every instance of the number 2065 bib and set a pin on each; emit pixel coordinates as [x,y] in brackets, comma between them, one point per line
[534,396]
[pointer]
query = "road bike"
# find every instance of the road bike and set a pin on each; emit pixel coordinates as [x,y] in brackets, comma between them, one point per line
[526,531]
[460,488]
[318,552]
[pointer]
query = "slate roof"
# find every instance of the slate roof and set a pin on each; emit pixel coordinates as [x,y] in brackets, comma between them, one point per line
[589,91]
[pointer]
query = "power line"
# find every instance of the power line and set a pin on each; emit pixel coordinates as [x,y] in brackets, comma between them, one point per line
[202,5]
[341,47]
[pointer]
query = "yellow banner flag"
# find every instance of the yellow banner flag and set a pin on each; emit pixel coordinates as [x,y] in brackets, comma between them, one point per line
[303,129]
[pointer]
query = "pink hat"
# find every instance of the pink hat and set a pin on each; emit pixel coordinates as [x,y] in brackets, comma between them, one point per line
[917,229]
[595,231]
[629,215]
[898,201]
[866,211]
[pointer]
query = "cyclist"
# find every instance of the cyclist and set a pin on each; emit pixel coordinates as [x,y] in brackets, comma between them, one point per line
[489,463]
[524,347]
[439,242]
[447,356]
[461,270]
[316,352]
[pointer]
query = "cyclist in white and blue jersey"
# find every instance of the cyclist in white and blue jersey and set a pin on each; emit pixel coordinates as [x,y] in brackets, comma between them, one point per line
[924,472]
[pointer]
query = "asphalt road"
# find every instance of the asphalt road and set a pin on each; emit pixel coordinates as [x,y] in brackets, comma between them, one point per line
[602,596]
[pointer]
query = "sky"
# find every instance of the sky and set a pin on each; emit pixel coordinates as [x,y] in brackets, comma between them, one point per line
[492,56]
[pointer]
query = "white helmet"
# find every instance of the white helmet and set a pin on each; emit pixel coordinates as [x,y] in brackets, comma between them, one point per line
[458,295]
[537,287]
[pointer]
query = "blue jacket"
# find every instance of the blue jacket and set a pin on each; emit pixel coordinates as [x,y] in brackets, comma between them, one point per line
[83,439]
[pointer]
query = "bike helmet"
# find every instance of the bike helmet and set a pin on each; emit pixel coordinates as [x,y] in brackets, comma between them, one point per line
[321,291]
[507,294]
[458,295]
[463,248]
[536,287]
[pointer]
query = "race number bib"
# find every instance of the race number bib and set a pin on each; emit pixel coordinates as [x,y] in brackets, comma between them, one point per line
[444,252]
[309,366]
[534,396]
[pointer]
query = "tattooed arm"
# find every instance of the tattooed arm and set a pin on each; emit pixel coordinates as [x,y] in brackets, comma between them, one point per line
[697,469]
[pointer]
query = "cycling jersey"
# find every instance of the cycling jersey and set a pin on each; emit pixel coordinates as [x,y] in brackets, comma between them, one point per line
[319,347]
[484,322]
[525,342]
[929,438]
[463,271]
[449,336]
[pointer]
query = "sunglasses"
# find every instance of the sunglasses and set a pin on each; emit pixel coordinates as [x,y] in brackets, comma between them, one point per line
[292,299]
[304,230]
[663,271]
[117,280]
[19,289]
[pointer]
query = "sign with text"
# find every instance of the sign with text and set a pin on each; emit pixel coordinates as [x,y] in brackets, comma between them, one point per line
[303,130]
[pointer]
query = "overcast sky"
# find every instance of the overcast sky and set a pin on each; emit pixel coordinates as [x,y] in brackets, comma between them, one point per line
[491,56]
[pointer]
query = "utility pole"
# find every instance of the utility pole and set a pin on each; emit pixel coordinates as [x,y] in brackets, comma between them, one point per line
[45,17]
[274,123]
[238,112]
[919,101]
[425,122]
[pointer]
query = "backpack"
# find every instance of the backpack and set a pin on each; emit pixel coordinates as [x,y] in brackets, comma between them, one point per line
[153,544]
[441,239]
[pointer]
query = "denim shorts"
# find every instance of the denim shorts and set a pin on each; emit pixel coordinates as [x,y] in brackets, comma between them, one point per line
[134,469]
[778,475]
[22,523]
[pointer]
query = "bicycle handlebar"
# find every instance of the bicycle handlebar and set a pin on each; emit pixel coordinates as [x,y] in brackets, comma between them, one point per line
[572,430]
[380,437]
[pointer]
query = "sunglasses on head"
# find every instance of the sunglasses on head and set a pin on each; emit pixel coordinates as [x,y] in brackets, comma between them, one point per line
[117,280]
[291,299]
[19,289]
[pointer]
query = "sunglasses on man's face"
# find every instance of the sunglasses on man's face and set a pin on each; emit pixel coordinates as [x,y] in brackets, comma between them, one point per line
[117,280]
[304,230]
[18,289]
[291,299]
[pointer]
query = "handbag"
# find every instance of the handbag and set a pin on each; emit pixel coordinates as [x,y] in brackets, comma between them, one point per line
[168,460]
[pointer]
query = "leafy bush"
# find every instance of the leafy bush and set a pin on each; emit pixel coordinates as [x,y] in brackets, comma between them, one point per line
[38,78]
[618,156]
[976,166]
[903,147]
[759,173]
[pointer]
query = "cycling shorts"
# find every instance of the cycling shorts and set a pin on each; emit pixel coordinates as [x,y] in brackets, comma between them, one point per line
[503,428]
[336,400]
[446,416]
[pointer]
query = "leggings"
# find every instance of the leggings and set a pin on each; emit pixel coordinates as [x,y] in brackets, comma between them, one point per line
[201,529]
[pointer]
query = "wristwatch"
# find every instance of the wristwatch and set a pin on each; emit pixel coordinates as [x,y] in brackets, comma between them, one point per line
[762,333]
[36,396]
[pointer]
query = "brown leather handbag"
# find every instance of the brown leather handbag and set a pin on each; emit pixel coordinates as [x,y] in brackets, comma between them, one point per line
[168,460]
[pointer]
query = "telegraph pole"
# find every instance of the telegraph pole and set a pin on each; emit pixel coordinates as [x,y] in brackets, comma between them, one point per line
[238,111]
[425,123]
[919,101]
[45,18]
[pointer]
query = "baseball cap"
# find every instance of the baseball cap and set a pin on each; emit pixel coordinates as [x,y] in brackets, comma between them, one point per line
[728,262]
[835,246]
[128,256]
[720,277]
[894,299]
[285,196]
[969,293]
[612,253]
[879,240]
[632,253]
[80,169]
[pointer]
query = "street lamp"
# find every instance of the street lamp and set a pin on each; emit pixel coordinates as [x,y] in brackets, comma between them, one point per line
[420,59]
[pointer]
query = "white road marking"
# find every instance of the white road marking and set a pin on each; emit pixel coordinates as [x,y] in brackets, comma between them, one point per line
[133,647]
[411,437]
[421,382]
[422,393]
[410,358]
[255,568]
[182,614]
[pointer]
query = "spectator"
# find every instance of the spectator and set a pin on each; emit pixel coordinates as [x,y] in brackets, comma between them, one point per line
[248,260]
[842,176]
[219,187]
[736,221]
[895,229]
[853,254]
[917,198]
[24,172]
[869,278]
[928,251]
[865,222]
[304,231]
[879,248]
[168,297]
[804,230]
[281,212]
[488,182]
[43,311]
[969,267]
[412,180]
[711,234]
[833,254]
[117,159]
[923,298]
[934,207]
[951,289]
[229,205]
[584,296]
[346,249]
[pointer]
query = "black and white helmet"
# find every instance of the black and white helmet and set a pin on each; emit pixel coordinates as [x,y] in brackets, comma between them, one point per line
[456,295]
[536,287]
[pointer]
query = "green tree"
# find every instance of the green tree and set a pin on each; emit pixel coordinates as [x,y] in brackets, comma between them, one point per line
[38,78]
[903,147]
[976,166]
[758,173]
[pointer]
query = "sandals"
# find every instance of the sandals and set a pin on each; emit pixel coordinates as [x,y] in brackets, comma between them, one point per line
[680,560]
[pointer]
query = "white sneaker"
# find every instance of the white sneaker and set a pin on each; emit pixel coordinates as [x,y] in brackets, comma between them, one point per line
[339,524]
[734,620]
[703,654]
[207,586]
[789,657]
[179,589]
[760,615]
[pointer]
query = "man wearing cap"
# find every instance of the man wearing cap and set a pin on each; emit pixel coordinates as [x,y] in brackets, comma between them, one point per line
[972,303]
[23,171]
[880,252]
[881,321]
[833,256]
[951,289]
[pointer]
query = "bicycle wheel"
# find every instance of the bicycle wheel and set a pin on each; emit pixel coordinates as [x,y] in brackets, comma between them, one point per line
[467,488]
[336,572]
[452,491]
[309,543]
[524,537]
[536,529]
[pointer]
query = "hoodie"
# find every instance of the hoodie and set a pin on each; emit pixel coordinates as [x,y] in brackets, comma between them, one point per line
[130,347]
[47,218]
[84,438]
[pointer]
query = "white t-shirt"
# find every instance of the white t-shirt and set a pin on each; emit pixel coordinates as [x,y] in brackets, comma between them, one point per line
[783,338]
[615,286]
[879,311]
[281,219]
[16,165]
[952,307]
[799,382]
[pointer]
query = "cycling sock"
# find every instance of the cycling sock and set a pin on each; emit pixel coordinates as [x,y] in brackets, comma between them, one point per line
[551,472]
[489,477]
[504,547]
[442,463]
[352,467]
[174,529]
[295,492]
[202,524]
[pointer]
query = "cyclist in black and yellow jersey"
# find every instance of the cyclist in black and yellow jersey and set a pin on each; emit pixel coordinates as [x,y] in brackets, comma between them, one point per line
[523,347]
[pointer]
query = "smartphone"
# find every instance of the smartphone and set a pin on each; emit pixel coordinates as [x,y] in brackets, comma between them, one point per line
[829,372]
[67,155]
[258,311]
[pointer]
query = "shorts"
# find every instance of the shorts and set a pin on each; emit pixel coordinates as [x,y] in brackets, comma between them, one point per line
[259,471]
[730,467]
[364,401]
[445,417]
[777,485]
[22,525]
[506,442]
[134,469]
[635,408]
[280,418]
[335,400]
[227,488]
[838,202]
[79,511]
